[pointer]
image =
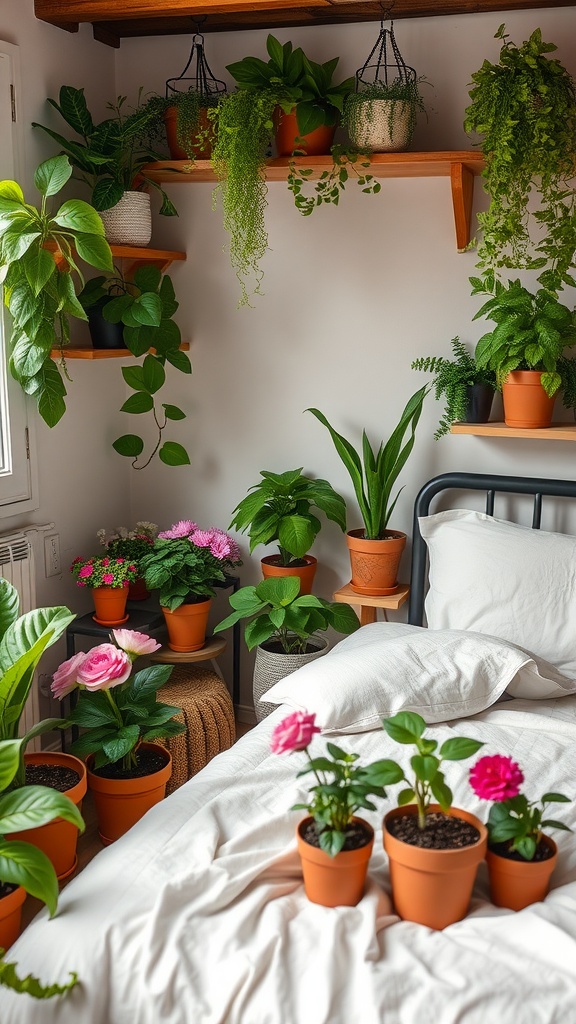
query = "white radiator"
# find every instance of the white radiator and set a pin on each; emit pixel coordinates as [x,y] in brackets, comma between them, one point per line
[17,566]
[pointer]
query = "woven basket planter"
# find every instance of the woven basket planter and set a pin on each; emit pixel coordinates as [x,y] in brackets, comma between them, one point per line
[270,667]
[130,221]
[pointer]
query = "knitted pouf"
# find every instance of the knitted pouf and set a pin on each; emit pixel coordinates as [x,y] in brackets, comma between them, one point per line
[207,713]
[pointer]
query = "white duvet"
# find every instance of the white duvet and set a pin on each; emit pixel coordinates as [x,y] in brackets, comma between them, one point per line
[198,915]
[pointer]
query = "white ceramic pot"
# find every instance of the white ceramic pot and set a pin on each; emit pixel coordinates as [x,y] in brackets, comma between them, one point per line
[130,221]
[382,126]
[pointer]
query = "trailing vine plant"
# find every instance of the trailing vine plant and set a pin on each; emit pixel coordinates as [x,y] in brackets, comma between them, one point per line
[346,163]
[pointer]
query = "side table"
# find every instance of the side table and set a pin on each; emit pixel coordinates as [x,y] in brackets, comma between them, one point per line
[369,605]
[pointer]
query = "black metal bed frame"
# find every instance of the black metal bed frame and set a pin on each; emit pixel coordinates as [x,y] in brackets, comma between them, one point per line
[535,486]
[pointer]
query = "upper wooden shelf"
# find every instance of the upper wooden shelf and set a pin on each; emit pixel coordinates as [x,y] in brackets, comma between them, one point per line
[557,432]
[460,166]
[137,254]
[83,352]
[112,20]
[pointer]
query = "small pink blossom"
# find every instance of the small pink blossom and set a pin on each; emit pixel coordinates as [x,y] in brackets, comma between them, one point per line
[181,529]
[223,547]
[201,538]
[66,676]
[135,643]
[119,561]
[103,667]
[106,561]
[85,571]
[293,733]
[108,578]
[496,778]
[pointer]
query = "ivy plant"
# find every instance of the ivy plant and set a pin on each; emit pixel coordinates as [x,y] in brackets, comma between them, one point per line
[346,163]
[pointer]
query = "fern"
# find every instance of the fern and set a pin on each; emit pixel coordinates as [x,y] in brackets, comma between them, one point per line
[453,379]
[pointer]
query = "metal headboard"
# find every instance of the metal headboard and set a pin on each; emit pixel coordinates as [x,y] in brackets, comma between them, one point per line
[472,482]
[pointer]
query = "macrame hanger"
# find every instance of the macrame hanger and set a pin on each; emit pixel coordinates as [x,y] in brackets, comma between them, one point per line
[389,65]
[201,78]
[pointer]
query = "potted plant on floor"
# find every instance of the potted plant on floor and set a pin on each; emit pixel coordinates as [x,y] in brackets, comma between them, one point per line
[131,545]
[120,718]
[109,579]
[467,389]
[526,351]
[279,509]
[521,857]
[375,550]
[283,625]
[184,565]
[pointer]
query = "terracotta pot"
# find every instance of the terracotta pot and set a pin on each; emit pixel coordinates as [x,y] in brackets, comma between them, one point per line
[200,151]
[374,563]
[11,917]
[120,803]
[138,591]
[382,126]
[110,605]
[432,887]
[286,133]
[526,404]
[58,839]
[305,573]
[187,626]
[518,883]
[272,666]
[334,881]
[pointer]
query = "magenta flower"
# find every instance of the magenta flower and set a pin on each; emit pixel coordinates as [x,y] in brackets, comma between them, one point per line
[103,667]
[107,578]
[86,570]
[106,561]
[223,547]
[135,643]
[66,676]
[496,778]
[201,538]
[293,733]
[181,529]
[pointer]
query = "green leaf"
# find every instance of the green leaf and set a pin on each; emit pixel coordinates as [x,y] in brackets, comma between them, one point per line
[138,403]
[32,985]
[147,309]
[76,215]
[459,748]
[405,727]
[147,278]
[441,792]
[172,412]
[180,361]
[9,606]
[331,841]
[134,377]
[25,865]
[425,768]
[153,374]
[406,796]
[173,454]
[125,740]
[34,806]
[51,405]
[95,251]
[526,847]
[10,752]
[129,445]
[337,752]
[558,798]
[52,175]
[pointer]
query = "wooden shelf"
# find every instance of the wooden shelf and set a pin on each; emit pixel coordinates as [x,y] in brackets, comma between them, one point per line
[137,254]
[213,647]
[79,352]
[557,432]
[460,166]
[369,605]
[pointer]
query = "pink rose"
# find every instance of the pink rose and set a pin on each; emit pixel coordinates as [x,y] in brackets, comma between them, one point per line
[103,667]
[293,733]
[134,643]
[66,676]
[496,778]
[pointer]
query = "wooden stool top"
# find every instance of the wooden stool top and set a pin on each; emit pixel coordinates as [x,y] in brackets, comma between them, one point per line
[212,649]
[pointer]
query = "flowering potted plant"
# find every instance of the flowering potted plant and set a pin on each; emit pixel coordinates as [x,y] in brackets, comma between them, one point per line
[109,579]
[334,845]
[131,545]
[120,717]
[184,564]
[521,858]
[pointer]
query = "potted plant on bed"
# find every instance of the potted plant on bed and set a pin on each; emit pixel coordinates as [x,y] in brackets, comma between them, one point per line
[521,857]
[283,625]
[279,509]
[467,389]
[375,550]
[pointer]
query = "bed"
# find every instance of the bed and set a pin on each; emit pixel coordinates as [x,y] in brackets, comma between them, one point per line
[198,914]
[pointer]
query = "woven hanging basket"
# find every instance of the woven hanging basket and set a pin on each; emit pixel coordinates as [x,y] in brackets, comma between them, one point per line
[270,667]
[130,221]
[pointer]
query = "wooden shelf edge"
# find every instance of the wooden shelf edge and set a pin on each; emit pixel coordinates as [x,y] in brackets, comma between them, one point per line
[557,432]
[390,601]
[80,352]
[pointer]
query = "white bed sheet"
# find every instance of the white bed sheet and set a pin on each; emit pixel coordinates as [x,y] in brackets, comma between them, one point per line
[198,915]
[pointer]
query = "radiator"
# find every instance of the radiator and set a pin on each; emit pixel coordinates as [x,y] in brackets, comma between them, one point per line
[17,566]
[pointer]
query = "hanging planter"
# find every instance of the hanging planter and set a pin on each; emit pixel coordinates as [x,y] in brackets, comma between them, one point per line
[189,129]
[11,915]
[187,625]
[337,881]
[120,798]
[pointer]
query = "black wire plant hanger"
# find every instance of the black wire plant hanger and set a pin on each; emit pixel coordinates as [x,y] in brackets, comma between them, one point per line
[201,79]
[389,66]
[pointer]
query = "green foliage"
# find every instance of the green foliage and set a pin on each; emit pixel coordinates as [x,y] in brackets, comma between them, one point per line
[428,780]
[531,334]
[374,474]
[359,107]
[524,106]
[279,509]
[190,133]
[332,182]
[40,284]
[276,612]
[180,569]
[145,306]
[518,822]
[31,985]
[453,378]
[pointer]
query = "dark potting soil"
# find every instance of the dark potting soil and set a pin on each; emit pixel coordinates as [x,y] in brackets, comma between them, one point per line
[148,763]
[6,888]
[543,852]
[441,832]
[357,835]
[298,563]
[55,776]
[275,647]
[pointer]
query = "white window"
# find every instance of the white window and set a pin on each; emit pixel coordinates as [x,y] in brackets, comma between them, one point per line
[17,477]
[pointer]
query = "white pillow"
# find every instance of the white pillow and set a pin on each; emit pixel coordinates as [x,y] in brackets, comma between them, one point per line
[505,580]
[389,667]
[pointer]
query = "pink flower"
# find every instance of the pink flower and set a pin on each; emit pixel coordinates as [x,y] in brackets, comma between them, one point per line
[119,561]
[201,538]
[103,667]
[293,733]
[106,561]
[496,778]
[66,676]
[223,547]
[134,643]
[183,528]
[86,570]
[108,578]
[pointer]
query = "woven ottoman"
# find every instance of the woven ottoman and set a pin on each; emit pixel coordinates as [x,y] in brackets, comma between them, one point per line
[207,713]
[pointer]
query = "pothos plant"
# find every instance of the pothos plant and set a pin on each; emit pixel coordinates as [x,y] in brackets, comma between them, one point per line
[346,163]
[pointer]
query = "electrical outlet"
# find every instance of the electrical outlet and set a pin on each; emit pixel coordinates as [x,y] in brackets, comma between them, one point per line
[52,555]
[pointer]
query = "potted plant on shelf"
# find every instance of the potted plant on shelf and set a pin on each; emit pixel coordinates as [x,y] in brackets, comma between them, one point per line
[38,260]
[526,351]
[111,156]
[189,130]
[433,849]
[131,545]
[524,107]
[283,625]
[184,564]
[109,580]
[375,550]
[467,389]
[279,509]
[334,844]
[381,116]
[521,857]
[120,717]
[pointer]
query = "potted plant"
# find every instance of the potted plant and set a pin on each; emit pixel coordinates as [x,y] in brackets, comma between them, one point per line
[433,849]
[279,509]
[111,156]
[381,116]
[184,564]
[131,545]
[120,717]
[521,857]
[467,389]
[283,625]
[334,844]
[375,550]
[524,107]
[38,258]
[525,350]
[188,128]
[109,579]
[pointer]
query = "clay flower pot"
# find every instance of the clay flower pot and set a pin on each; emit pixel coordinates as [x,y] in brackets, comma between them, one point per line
[305,573]
[526,404]
[334,881]
[432,887]
[286,133]
[516,884]
[11,916]
[374,563]
[120,803]
[199,150]
[110,605]
[187,625]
